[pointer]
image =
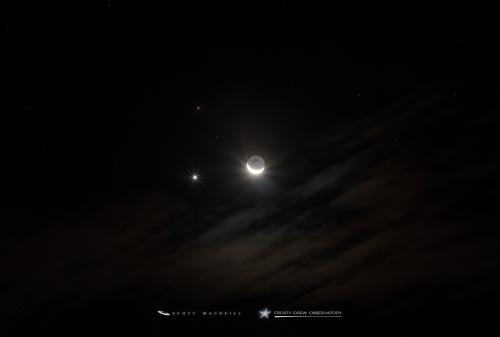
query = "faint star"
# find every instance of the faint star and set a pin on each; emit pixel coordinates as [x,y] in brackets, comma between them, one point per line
[264,313]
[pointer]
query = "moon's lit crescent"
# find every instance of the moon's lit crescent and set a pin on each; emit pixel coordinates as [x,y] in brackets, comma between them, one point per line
[164,313]
[254,171]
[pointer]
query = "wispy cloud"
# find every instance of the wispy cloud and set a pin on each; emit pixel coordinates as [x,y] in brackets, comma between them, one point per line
[376,219]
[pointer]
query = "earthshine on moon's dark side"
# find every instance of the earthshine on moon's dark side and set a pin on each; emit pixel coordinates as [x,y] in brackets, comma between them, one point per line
[255,165]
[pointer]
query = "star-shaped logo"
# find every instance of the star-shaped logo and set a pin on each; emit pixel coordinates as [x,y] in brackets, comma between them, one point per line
[264,313]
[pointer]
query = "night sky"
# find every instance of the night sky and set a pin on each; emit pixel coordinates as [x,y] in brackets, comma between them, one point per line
[379,128]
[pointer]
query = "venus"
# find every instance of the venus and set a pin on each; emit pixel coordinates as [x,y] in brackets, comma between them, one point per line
[255,165]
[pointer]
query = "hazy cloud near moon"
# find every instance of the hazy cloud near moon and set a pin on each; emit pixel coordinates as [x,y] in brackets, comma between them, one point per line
[373,223]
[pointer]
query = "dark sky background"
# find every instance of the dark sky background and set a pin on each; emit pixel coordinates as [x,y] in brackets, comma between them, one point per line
[379,128]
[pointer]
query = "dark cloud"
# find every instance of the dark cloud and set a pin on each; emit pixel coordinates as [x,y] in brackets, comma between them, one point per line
[386,219]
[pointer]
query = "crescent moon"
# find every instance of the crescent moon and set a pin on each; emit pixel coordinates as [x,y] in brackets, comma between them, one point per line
[164,313]
[254,171]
